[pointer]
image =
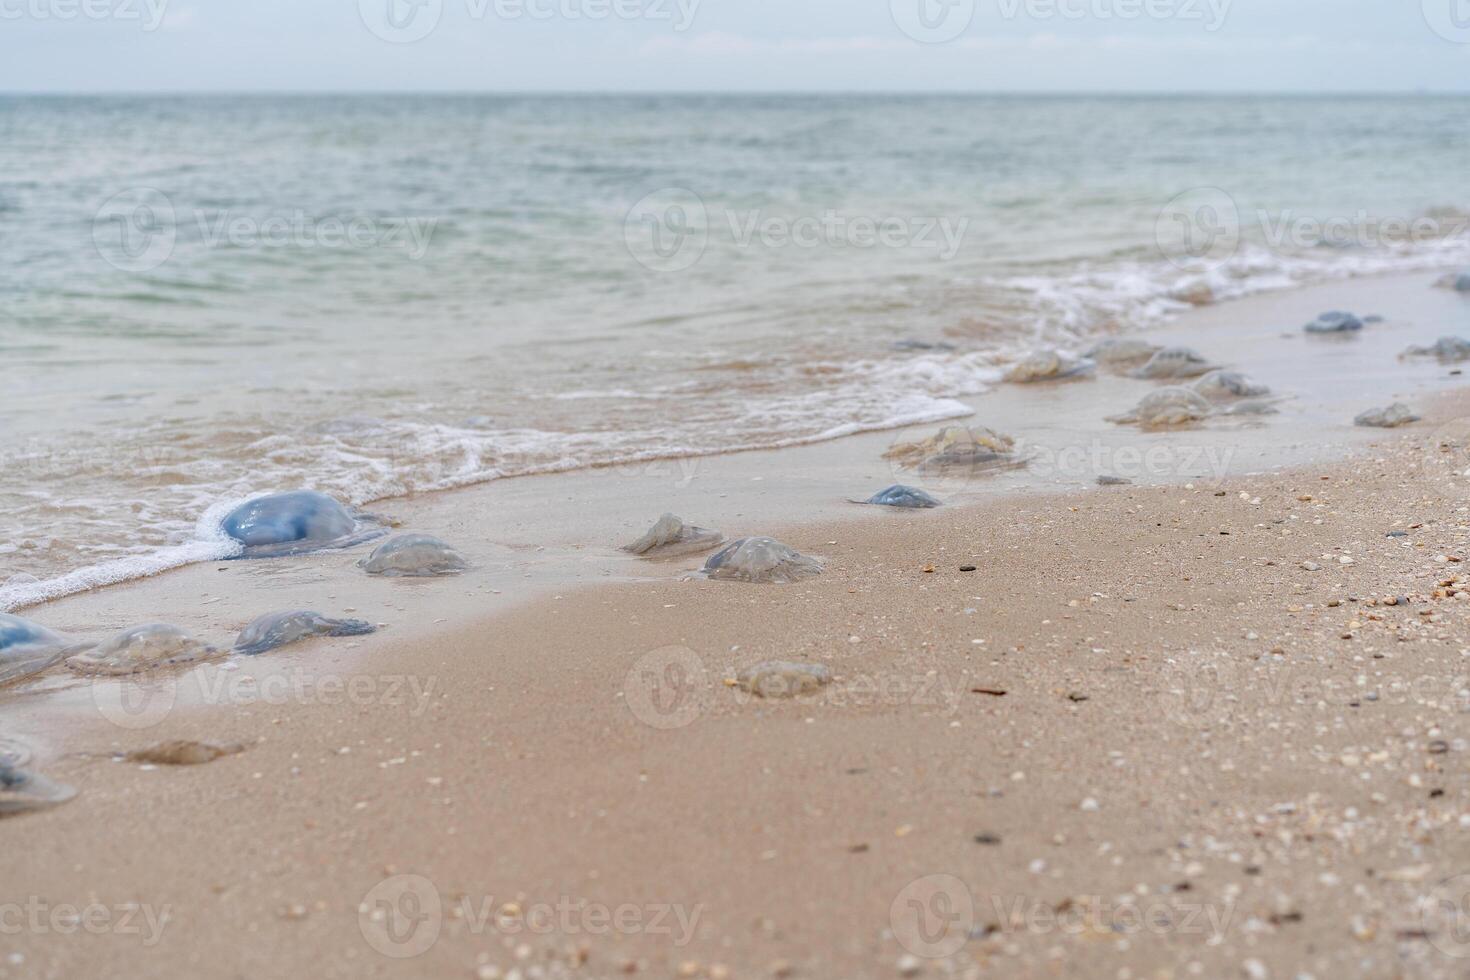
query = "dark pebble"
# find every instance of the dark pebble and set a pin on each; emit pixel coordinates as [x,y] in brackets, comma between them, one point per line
[968,568]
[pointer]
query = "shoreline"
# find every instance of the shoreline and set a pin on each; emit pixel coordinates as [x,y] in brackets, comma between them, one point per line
[556,723]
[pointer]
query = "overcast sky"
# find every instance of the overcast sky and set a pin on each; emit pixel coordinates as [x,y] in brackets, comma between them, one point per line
[735,45]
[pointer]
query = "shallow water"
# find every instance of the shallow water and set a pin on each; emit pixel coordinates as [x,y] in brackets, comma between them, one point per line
[207,299]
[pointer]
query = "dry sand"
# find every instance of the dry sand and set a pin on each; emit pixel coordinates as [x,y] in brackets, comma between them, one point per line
[1163,730]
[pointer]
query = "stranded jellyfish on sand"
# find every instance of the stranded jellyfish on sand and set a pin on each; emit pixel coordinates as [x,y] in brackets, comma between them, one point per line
[276,630]
[21,791]
[1167,406]
[670,537]
[297,523]
[777,679]
[1226,385]
[28,648]
[761,560]
[1122,353]
[959,448]
[907,498]
[1391,417]
[1049,365]
[143,648]
[1335,322]
[413,556]
[1448,350]
[1175,362]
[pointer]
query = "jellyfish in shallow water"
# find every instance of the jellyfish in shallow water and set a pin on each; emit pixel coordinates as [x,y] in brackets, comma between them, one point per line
[22,791]
[28,648]
[777,679]
[1448,350]
[670,537]
[1391,417]
[1173,363]
[1335,322]
[1167,406]
[1122,352]
[1225,385]
[908,498]
[143,648]
[413,556]
[276,630]
[1049,365]
[297,523]
[761,560]
[957,448]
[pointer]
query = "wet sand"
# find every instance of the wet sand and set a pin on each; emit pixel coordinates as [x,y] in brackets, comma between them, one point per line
[1140,694]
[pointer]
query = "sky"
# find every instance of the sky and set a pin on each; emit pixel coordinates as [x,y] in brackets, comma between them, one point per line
[735,45]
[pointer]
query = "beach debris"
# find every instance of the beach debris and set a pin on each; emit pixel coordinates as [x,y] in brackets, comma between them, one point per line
[1122,352]
[956,447]
[909,498]
[413,556]
[670,537]
[27,648]
[298,523]
[1113,481]
[912,346]
[1335,321]
[181,752]
[1447,349]
[1226,385]
[22,791]
[761,560]
[1391,417]
[1175,363]
[275,630]
[779,679]
[1458,281]
[1049,365]
[143,648]
[1166,407]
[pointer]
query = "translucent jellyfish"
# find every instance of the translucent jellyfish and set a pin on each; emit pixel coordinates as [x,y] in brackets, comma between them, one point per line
[1175,362]
[297,523]
[670,538]
[1255,406]
[1391,417]
[1449,350]
[1458,281]
[183,753]
[1335,322]
[909,498]
[276,630]
[914,346]
[22,791]
[761,560]
[413,556]
[1049,365]
[778,679]
[28,648]
[957,447]
[1226,385]
[143,648]
[1167,406]
[1122,352]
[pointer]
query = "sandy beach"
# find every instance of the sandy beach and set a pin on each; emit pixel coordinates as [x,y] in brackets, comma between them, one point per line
[1206,724]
